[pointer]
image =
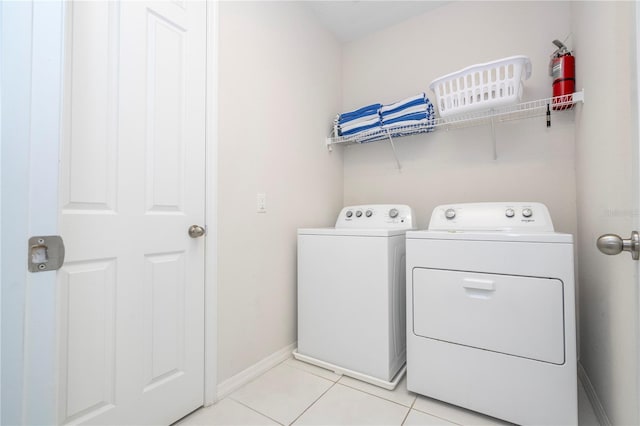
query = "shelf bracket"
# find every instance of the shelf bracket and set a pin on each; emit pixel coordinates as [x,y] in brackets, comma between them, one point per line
[393,147]
[329,144]
[578,96]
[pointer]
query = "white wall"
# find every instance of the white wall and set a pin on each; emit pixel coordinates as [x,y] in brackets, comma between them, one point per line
[606,146]
[534,163]
[279,87]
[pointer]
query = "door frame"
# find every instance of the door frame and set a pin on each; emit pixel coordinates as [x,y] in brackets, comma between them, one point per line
[32,167]
[636,178]
[32,82]
[211,209]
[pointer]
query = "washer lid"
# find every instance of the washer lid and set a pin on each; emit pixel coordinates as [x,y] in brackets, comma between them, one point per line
[352,232]
[530,237]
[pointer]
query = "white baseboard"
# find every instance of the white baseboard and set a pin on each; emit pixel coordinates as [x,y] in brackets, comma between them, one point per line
[598,409]
[245,376]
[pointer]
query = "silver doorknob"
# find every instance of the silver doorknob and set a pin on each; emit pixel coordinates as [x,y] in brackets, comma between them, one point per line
[613,244]
[196,231]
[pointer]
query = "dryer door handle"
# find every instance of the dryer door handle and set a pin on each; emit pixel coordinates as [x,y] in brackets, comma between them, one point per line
[478,284]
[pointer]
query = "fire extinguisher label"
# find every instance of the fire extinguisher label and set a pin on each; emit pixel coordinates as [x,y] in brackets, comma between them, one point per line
[556,71]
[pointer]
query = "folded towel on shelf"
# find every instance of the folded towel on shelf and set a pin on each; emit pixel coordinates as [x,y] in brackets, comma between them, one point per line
[360,129]
[406,120]
[405,103]
[411,111]
[415,114]
[359,123]
[407,111]
[359,120]
[365,112]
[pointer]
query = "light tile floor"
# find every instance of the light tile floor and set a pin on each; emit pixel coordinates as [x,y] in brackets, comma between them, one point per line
[297,393]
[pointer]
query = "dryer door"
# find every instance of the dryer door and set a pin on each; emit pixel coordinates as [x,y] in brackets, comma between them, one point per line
[513,315]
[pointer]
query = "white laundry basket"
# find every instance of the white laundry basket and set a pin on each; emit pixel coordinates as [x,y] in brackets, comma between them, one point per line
[481,86]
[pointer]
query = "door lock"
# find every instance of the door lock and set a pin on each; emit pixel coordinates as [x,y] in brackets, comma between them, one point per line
[46,253]
[612,244]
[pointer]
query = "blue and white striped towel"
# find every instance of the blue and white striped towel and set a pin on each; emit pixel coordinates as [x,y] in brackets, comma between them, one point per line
[418,99]
[361,129]
[359,123]
[411,110]
[365,112]
[408,112]
[406,120]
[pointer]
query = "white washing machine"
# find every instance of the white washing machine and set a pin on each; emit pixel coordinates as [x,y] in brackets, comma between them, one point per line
[491,313]
[351,294]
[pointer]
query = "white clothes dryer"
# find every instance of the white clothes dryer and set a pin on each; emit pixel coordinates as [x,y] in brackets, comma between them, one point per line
[351,294]
[491,312]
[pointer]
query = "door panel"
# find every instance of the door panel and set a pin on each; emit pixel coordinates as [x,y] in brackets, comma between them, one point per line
[165,115]
[87,297]
[164,317]
[131,291]
[88,182]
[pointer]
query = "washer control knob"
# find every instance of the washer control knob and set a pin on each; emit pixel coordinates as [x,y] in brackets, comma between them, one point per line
[527,212]
[393,213]
[359,213]
[368,213]
[509,213]
[450,214]
[349,213]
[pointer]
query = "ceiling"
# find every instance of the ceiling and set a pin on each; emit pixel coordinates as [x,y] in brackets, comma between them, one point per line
[350,20]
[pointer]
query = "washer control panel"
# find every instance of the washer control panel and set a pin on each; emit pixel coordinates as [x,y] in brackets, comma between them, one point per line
[507,216]
[376,216]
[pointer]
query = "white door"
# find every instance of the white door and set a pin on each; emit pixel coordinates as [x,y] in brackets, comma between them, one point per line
[608,202]
[131,291]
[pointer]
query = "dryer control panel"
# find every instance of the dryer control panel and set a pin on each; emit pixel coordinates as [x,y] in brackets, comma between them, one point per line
[503,216]
[376,216]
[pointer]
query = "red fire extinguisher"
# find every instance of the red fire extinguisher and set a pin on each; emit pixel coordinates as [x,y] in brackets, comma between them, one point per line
[563,70]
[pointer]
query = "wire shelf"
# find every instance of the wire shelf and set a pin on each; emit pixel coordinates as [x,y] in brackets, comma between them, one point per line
[512,112]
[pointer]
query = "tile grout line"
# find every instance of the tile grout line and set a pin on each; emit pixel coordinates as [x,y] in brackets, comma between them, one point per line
[430,414]
[254,410]
[284,363]
[313,403]
[230,396]
[377,396]
[315,374]
[440,417]
[410,408]
[405,417]
[333,383]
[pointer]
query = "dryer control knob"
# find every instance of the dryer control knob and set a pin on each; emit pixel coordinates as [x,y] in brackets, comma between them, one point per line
[450,214]
[349,213]
[358,213]
[527,212]
[509,213]
[393,213]
[368,213]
